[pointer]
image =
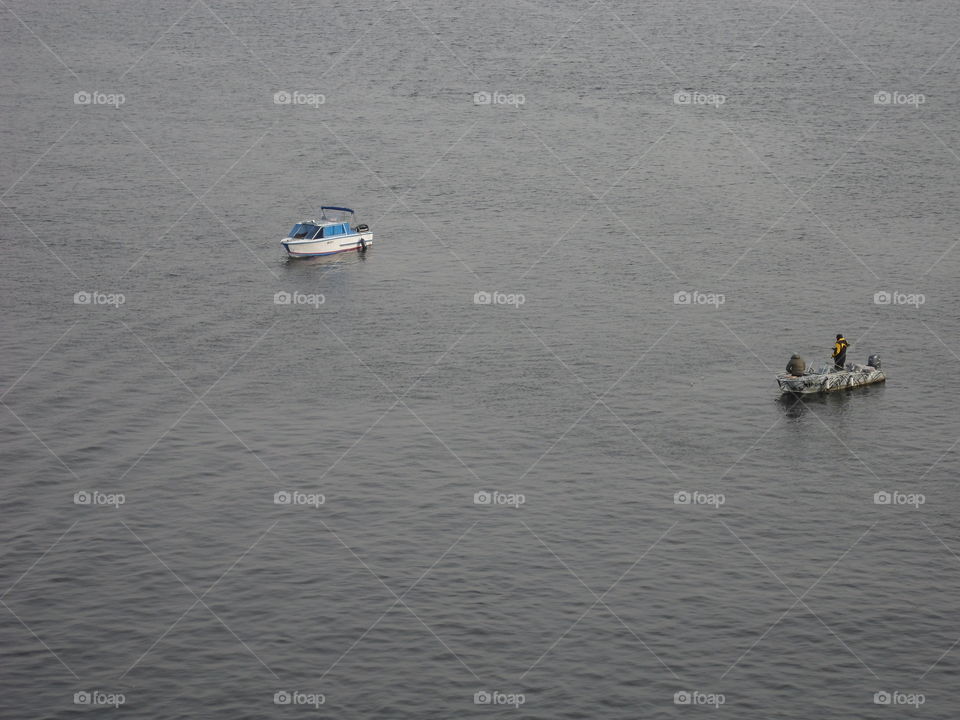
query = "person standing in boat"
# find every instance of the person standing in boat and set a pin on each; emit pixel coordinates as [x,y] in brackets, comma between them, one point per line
[840,352]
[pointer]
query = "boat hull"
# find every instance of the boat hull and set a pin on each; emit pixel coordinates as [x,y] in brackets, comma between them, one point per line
[327,246]
[829,382]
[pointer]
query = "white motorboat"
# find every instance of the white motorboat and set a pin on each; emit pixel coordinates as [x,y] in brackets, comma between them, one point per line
[331,233]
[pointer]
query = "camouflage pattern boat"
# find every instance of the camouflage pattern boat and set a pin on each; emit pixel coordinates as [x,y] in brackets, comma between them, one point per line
[829,378]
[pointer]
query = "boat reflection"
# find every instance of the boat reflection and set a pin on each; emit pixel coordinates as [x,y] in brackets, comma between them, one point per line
[332,262]
[795,405]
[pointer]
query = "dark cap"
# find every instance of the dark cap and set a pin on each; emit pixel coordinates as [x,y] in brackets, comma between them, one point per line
[839,336]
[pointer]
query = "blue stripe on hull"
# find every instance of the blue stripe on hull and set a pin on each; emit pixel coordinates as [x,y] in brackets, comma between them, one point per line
[323,254]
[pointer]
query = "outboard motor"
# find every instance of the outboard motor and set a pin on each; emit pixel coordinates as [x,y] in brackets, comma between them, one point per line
[874,361]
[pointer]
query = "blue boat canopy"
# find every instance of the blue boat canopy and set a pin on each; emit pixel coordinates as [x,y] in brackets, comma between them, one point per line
[335,214]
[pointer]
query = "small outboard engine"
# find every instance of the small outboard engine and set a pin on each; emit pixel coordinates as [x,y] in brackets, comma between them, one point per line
[874,361]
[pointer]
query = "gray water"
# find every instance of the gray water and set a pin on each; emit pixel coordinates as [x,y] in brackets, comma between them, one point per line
[398,398]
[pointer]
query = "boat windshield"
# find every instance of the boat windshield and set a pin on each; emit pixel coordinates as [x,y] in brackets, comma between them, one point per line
[303,230]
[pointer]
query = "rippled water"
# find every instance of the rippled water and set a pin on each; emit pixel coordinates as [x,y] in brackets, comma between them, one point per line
[587,404]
